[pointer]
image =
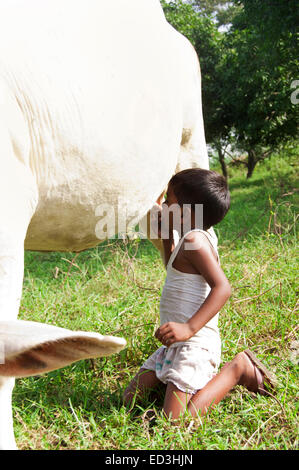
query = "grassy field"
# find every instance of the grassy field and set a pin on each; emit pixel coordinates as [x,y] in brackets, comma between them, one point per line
[115,289]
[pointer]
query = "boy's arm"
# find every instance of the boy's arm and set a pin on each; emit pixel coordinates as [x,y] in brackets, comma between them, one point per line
[203,260]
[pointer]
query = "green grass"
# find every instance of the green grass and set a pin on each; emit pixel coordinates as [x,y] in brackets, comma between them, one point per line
[115,289]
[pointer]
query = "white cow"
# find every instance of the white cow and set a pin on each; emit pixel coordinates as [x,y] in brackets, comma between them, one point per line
[100,102]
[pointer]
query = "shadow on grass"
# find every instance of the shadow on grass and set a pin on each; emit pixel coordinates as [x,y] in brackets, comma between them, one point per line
[253,203]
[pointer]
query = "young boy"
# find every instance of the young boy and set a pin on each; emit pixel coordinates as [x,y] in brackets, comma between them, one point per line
[195,290]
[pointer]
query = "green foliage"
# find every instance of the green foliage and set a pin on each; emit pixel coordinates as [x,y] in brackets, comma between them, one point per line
[260,64]
[258,68]
[182,17]
[220,9]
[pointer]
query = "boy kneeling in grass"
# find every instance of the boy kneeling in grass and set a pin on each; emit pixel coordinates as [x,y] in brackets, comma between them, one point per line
[195,290]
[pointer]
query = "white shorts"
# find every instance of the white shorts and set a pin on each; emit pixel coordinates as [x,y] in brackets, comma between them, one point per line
[188,366]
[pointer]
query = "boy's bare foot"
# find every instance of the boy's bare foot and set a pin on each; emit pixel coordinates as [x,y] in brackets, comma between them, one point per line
[256,377]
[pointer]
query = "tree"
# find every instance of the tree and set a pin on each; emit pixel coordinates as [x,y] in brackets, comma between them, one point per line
[222,11]
[258,69]
[208,7]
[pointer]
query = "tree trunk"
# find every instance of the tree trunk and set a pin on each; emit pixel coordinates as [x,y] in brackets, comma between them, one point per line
[252,161]
[221,160]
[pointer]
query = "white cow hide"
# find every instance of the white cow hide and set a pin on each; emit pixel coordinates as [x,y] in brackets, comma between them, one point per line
[100,104]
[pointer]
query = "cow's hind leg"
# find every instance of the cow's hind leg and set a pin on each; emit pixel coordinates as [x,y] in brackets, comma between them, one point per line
[18,200]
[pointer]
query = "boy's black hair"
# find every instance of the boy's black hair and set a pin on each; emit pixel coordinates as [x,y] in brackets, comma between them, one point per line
[198,186]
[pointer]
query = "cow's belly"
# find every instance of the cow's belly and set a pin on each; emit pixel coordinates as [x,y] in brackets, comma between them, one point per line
[63,226]
[112,172]
[81,215]
[78,193]
[125,168]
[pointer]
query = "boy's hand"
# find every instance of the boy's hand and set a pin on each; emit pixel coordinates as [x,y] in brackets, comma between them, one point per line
[172,332]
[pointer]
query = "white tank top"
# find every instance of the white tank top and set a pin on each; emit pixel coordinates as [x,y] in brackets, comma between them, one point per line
[183,294]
